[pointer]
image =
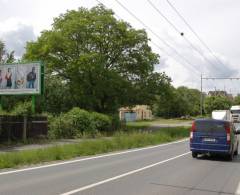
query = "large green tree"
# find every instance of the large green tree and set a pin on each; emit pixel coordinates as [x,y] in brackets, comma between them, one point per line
[104,61]
[217,103]
[237,100]
[178,102]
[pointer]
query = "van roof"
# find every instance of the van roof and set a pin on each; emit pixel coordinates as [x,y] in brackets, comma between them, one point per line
[237,107]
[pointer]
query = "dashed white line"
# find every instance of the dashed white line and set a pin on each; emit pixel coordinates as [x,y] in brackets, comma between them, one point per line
[238,189]
[122,175]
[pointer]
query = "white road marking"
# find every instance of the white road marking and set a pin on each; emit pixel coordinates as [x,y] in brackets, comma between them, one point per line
[238,189]
[122,175]
[90,158]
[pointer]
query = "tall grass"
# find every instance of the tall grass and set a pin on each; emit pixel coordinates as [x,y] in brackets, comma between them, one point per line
[119,141]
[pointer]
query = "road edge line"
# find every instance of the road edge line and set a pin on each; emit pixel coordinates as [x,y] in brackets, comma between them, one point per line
[90,158]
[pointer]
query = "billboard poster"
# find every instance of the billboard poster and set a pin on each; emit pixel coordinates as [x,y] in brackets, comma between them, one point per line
[20,79]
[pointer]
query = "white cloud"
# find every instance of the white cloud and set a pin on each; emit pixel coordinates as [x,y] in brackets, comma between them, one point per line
[215,21]
[16,36]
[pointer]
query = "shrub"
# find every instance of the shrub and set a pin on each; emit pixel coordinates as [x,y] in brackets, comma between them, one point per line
[60,127]
[23,108]
[78,123]
[102,122]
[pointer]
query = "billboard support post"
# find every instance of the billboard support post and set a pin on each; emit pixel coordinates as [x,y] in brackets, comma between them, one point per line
[0,102]
[33,103]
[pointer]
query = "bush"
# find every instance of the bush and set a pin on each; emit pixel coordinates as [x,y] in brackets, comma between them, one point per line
[102,122]
[78,123]
[22,108]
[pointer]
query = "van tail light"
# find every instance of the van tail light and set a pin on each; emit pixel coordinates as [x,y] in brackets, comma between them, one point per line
[192,130]
[228,129]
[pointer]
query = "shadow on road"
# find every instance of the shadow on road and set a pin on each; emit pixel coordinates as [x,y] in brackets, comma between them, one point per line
[218,158]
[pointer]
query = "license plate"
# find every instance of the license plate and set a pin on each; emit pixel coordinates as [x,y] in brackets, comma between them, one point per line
[209,140]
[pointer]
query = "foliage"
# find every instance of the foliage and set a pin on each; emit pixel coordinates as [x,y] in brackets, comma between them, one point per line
[116,123]
[102,122]
[77,123]
[217,103]
[91,147]
[57,96]
[237,100]
[5,57]
[22,108]
[104,62]
[178,102]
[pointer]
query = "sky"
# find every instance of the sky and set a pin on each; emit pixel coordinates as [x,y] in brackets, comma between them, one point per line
[215,22]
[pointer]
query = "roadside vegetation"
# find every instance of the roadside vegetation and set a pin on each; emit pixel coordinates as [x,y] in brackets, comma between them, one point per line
[143,124]
[90,72]
[120,141]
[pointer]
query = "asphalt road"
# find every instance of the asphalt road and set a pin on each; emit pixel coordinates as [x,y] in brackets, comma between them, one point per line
[165,169]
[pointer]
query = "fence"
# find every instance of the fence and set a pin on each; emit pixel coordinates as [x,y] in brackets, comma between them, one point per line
[22,127]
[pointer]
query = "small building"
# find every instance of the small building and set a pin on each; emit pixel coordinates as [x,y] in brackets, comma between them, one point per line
[217,93]
[138,112]
[220,93]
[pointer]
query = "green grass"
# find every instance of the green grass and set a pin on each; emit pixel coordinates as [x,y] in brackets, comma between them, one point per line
[119,141]
[139,124]
[147,123]
[170,121]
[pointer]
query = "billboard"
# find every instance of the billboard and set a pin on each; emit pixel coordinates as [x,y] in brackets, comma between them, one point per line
[20,79]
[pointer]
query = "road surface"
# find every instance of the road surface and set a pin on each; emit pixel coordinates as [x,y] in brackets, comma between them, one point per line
[164,169]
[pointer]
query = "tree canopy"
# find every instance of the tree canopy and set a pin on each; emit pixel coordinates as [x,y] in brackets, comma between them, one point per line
[104,62]
[178,102]
[5,57]
[217,103]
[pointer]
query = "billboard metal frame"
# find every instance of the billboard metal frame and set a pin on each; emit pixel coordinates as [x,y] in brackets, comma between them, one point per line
[41,83]
[41,79]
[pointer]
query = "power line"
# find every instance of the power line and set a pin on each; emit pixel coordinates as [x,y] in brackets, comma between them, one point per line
[160,48]
[222,78]
[178,31]
[194,32]
[147,27]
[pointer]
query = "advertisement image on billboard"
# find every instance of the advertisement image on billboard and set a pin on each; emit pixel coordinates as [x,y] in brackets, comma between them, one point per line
[20,79]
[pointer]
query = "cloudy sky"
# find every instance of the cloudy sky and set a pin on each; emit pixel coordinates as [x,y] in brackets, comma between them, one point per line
[215,21]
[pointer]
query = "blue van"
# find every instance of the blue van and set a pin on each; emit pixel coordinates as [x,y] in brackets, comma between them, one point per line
[214,137]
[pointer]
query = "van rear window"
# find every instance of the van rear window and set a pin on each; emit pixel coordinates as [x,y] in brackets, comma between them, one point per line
[209,126]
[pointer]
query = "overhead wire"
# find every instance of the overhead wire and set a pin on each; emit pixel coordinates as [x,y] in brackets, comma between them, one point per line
[181,33]
[155,34]
[156,45]
[194,32]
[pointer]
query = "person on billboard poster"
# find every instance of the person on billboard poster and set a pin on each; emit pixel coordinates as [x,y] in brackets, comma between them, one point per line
[8,77]
[1,79]
[20,78]
[31,78]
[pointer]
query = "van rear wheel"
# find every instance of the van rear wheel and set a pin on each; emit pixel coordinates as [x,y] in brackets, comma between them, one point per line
[230,156]
[236,152]
[194,154]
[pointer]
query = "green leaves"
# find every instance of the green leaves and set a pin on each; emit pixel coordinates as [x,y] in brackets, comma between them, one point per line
[5,57]
[178,102]
[217,103]
[105,62]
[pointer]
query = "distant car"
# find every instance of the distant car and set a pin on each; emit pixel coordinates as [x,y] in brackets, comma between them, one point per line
[214,137]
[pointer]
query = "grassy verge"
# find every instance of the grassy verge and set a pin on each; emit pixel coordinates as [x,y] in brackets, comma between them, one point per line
[170,121]
[139,124]
[147,123]
[119,141]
